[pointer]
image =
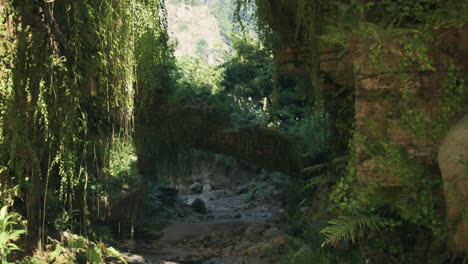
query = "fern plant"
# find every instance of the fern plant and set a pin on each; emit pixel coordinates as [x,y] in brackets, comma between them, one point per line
[353,227]
[9,232]
[310,256]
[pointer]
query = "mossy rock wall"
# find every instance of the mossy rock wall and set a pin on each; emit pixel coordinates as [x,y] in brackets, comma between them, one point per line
[404,111]
[389,97]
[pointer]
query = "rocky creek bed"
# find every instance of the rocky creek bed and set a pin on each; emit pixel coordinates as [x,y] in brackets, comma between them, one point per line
[241,225]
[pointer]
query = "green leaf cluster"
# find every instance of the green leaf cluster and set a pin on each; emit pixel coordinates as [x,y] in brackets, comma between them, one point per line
[11,228]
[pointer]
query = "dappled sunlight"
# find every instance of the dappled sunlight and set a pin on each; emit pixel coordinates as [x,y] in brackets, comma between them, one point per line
[233,131]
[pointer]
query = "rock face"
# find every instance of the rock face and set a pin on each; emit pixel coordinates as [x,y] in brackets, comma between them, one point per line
[380,99]
[453,163]
[199,206]
[381,91]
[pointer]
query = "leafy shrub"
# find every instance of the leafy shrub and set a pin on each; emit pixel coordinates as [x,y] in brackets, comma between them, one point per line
[11,229]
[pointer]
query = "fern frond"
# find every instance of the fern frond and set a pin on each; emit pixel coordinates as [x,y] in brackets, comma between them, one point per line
[310,234]
[306,256]
[406,207]
[318,180]
[309,256]
[352,227]
[314,169]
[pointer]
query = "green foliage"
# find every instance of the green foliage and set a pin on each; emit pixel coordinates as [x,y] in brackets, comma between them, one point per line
[155,64]
[264,97]
[76,244]
[307,246]
[11,229]
[115,253]
[455,90]
[415,199]
[57,251]
[72,77]
[122,167]
[352,228]
[77,249]
[241,89]
[196,79]
[249,71]
[64,222]
[308,256]
[33,260]
[68,89]
[449,14]
[315,131]
[296,23]
[94,255]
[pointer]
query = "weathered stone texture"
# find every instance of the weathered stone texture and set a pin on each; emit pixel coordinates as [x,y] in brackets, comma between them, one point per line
[453,162]
[290,58]
[379,95]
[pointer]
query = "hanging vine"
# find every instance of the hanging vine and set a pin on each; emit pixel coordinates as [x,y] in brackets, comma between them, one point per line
[67,91]
[293,30]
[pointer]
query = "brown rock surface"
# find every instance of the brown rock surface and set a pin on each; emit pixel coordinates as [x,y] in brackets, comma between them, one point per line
[379,96]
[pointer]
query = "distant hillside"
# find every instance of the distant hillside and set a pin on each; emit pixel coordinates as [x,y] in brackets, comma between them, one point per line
[202,28]
[196,32]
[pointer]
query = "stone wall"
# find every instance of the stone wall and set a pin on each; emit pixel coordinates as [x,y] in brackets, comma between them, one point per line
[379,110]
[379,97]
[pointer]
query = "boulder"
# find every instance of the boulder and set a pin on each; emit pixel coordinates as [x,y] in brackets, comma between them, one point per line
[199,206]
[453,163]
[207,188]
[196,188]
